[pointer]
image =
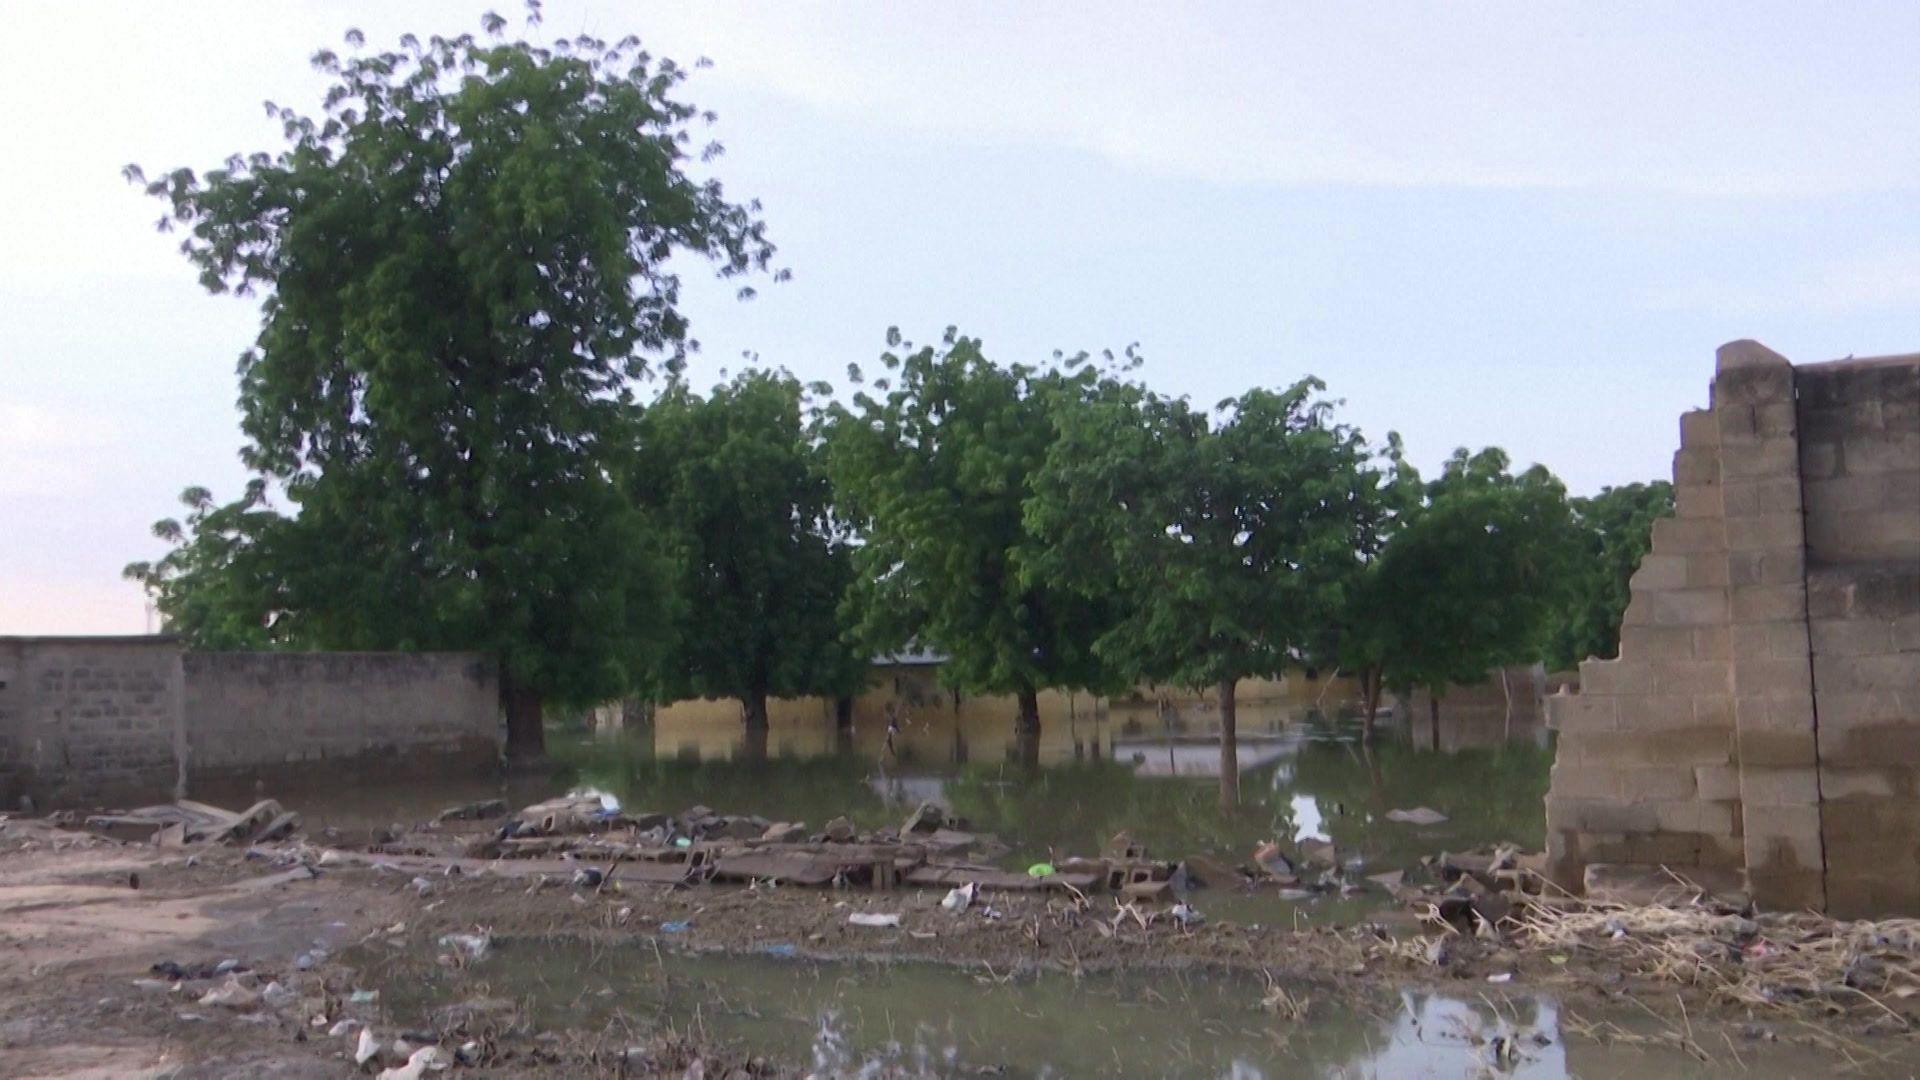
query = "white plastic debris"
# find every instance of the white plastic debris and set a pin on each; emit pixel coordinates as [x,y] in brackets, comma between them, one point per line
[1419,815]
[368,1046]
[471,946]
[417,1065]
[1186,915]
[873,918]
[231,995]
[1505,976]
[961,898]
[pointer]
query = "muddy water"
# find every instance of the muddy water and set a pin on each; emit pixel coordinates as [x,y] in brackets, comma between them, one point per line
[858,1019]
[1304,779]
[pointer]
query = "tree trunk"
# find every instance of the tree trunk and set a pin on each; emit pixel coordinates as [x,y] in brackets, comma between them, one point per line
[526,725]
[1026,729]
[1229,746]
[755,746]
[1433,716]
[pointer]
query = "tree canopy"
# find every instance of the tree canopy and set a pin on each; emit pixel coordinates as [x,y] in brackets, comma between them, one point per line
[1229,542]
[935,463]
[1470,579]
[1615,533]
[758,565]
[465,260]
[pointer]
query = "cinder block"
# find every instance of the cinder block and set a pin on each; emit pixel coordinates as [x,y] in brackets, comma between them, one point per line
[1761,457]
[1685,536]
[1698,501]
[1717,783]
[1695,467]
[1688,677]
[1699,428]
[1713,643]
[1615,677]
[1649,643]
[1851,637]
[1583,782]
[1660,572]
[1708,571]
[1583,712]
[1765,531]
[1775,749]
[1894,671]
[1689,607]
[1791,675]
[1656,784]
[1768,603]
[1764,786]
[1841,783]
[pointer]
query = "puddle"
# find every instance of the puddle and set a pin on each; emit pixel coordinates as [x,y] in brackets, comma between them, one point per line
[863,1019]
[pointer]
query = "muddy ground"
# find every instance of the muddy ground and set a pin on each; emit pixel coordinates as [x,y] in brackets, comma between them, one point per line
[83,921]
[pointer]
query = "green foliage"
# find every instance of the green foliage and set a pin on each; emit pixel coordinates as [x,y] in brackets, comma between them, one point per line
[215,587]
[1230,542]
[1468,580]
[465,259]
[759,568]
[936,467]
[1616,532]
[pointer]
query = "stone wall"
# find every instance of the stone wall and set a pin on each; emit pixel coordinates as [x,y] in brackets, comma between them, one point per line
[266,714]
[1761,718]
[88,714]
[97,721]
[1860,464]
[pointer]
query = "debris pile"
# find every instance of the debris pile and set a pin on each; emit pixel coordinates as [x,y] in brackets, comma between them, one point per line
[1792,961]
[185,822]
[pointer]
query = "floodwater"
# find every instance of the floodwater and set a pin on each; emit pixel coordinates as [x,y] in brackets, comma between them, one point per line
[851,1019]
[1302,778]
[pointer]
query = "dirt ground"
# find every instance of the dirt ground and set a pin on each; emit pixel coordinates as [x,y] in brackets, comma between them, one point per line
[84,920]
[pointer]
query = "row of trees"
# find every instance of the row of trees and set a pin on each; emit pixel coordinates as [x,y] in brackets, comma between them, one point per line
[467,260]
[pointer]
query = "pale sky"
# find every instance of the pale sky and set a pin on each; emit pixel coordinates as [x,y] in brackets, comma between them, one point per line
[1521,224]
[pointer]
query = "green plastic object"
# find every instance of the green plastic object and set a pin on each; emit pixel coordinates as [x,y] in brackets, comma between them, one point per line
[1040,869]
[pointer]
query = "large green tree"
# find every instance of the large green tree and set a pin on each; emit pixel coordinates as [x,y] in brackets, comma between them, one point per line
[1470,579]
[1229,540]
[935,461]
[1616,532]
[464,257]
[737,480]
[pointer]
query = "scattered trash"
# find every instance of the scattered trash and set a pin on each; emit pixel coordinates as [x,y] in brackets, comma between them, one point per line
[588,877]
[470,946]
[872,918]
[366,1047]
[341,1027]
[960,899]
[782,949]
[1185,915]
[420,885]
[1419,815]
[675,927]
[363,997]
[1503,977]
[277,996]
[1041,869]
[1269,858]
[231,995]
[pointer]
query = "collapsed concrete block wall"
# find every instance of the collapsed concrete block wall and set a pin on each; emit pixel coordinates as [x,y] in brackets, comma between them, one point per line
[1763,714]
[96,721]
